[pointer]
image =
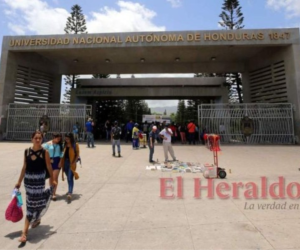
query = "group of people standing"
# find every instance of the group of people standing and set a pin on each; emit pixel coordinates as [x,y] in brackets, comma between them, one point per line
[43,161]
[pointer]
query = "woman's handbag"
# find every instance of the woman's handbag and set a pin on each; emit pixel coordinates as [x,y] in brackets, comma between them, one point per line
[14,213]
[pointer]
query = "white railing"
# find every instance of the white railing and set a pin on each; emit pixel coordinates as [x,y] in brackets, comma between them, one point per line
[24,119]
[271,123]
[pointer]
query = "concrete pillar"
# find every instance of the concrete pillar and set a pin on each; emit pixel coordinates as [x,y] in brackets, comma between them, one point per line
[56,89]
[246,87]
[8,74]
[292,61]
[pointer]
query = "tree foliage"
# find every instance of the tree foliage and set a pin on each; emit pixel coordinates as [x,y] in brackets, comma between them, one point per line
[76,24]
[135,109]
[232,18]
[181,112]
[192,109]
[68,82]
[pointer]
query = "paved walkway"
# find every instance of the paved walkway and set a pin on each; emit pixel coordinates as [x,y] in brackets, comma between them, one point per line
[117,205]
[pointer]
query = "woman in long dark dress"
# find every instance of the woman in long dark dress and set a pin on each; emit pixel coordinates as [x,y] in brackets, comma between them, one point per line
[36,161]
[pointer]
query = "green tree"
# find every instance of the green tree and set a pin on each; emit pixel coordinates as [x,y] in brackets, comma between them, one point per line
[135,109]
[232,18]
[173,117]
[68,82]
[181,112]
[76,24]
[192,109]
[165,113]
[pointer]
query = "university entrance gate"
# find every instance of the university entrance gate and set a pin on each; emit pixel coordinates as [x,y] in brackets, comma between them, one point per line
[32,67]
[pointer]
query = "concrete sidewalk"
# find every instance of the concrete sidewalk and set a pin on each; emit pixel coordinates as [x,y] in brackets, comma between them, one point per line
[116,203]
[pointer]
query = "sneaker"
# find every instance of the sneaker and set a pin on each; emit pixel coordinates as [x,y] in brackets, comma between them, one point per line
[69,197]
[152,161]
[119,155]
[113,154]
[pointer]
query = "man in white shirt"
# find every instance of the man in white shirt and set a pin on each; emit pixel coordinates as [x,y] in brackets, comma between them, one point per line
[166,135]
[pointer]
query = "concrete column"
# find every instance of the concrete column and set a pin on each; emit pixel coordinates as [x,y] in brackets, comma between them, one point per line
[7,86]
[246,87]
[56,89]
[292,62]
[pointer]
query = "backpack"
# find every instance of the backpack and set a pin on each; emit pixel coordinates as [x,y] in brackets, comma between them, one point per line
[79,158]
[116,133]
[43,154]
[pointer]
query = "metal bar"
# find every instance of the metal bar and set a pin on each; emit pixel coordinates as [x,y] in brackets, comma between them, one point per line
[273,123]
[23,119]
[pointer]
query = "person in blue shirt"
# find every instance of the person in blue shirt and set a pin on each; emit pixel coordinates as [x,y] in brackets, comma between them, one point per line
[55,149]
[76,131]
[129,127]
[89,132]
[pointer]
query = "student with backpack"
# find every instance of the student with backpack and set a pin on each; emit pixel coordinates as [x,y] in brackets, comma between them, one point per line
[115,138]
[68,162]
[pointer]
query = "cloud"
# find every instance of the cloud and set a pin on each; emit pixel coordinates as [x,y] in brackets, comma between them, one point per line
[130,17]
[291,7]
[175,3]
[161,103]
[35,17]
[38,17]
[17,29]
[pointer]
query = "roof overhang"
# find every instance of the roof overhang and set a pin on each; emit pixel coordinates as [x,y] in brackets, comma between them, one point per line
[153,52]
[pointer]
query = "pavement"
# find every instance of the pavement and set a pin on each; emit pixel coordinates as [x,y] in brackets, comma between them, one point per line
[117,204]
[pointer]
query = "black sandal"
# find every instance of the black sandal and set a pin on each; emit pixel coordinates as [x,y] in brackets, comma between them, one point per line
[36,223]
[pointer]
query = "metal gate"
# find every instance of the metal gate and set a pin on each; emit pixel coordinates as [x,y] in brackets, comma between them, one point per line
[271,123]
[24,119]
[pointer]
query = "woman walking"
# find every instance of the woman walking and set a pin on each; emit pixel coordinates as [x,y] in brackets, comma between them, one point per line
[35,167]
[70,157]
[55,149]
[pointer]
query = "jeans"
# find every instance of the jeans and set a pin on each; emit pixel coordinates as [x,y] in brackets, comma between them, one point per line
[191,138]
[114,143]
[135,142]
[90,138]
[108,134]
[129,135]
[151,152]
[69,174]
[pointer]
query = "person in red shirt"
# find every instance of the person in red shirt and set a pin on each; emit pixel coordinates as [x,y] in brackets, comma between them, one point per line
[173,128]
[191,127]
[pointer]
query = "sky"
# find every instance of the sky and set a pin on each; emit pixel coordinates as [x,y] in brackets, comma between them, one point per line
[37,17]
